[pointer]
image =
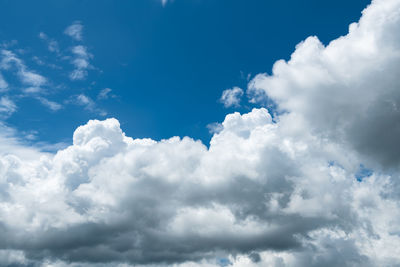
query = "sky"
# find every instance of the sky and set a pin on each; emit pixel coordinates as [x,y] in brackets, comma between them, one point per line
[165,65]
[199,133]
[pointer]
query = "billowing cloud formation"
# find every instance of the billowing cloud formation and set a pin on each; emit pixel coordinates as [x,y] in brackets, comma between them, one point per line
[349,90]
[288,192]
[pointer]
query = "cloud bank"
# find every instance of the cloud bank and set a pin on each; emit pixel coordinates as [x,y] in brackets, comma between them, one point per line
[292,191]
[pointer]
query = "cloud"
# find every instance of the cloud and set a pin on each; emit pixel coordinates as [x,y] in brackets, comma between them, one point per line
[258,188]
[52,44]
[282,192]
[7,107]
[214,127]
[86,102]
[33,80]
[81,62]
[3,83]
[348,90]
[104,93]
[75,31]
[231,97]
[80,55]
[164,2]
[54,106]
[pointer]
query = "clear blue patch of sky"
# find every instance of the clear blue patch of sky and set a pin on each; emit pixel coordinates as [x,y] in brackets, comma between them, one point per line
[167,65]
[363,172]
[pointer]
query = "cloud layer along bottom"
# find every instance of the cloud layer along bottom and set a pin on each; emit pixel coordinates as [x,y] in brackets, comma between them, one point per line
[316,186]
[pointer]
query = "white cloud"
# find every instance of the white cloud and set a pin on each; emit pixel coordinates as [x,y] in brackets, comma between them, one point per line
[31,78]
[78,74]
[54,106]
[86,102]
[7,106]
[164,2]
[258,187]
[26,76]
[104,93]
[52,44]
[264,193]
[75,31]
[231,97]
[3,83]
[81,62]
[348,90]
[214,127]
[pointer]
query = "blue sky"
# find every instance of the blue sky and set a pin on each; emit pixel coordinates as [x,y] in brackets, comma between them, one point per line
[166,65]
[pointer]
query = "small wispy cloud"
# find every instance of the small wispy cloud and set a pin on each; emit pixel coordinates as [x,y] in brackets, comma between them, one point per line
[105,94]
[7,107]
[52,44]
[81,62]
[231,97]
[3,84]
[87,103]
[33,80]
[54,106]
[164,2]
[75,31]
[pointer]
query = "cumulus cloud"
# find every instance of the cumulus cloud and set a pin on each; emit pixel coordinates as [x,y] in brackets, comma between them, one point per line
[258,190]
[75,30]
[348,90]
[282,192]
[231,97]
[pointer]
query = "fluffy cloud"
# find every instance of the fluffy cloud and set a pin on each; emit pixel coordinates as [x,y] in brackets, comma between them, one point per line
[258,190]
[231,97]
[349,90]
[282,192]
